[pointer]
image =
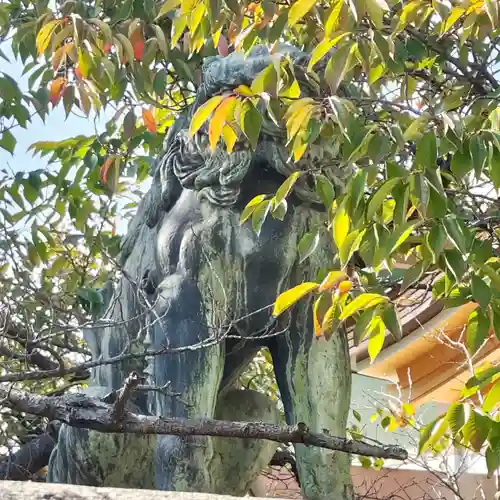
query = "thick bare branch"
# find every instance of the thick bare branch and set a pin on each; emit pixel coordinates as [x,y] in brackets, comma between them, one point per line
[79,410]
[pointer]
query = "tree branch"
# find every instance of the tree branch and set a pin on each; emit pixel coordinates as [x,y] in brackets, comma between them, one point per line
[81,411]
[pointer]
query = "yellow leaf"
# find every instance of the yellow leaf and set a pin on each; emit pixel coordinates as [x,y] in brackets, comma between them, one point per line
[299,120]
[333,18]
[362,302]
[341,226]
[251,206]
[295,106]
[45,34]
[298,10]
[203,112]
[332,278]
[196,15]
[323,47]
[376,338]
[244,90]
[230,137]
[284,190]
[57,57]
[167,7]
[290,297]
[329,321]
[455,14]
[178,27]
[299,146]
[321,306]
[222,113]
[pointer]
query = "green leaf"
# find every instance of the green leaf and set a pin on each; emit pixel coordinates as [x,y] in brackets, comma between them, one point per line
[481,292]
[455,263]
[129,124]
[337,66]
[412,275]
[476,430]
[361,302]
[419,192]
[495,320]
[494,168]
[492,398]
[456,417]
[377,199]
[391,320]
[477,330]
[203,112]
[340,226]
[251,206]
[259,215]
[250,122]
[8,142]
[492,274]
[436,239]
[290,297]
[492,459]
[455,233]
[307,244]
[325,190]
[427,150]
[461,164]
[479,154]
[416,127]
[298,10]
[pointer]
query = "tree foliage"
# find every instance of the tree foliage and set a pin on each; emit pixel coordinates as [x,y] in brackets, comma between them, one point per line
[407,96]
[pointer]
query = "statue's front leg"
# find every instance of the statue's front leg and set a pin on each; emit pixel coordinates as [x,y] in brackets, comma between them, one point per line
[314,379]
[178,321]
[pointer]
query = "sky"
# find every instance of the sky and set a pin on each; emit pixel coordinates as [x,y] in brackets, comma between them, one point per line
[56,126]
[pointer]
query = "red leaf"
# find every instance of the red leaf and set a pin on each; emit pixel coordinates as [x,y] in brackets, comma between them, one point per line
[137,41]
[107,47]
[105,169]
[222,46]
[149,120]
[56,90]
[78,73]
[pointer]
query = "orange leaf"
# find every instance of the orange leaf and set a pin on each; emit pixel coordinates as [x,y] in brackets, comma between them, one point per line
[78,73]
[222,113]
[56,90]
[105,169]
[107,47]
[149,120]
[138,44]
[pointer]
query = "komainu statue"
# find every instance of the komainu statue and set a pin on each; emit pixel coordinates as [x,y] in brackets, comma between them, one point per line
[196,285]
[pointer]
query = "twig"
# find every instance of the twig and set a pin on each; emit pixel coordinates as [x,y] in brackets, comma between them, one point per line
[124,394]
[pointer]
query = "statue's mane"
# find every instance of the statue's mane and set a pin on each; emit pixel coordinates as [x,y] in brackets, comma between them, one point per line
[188,163]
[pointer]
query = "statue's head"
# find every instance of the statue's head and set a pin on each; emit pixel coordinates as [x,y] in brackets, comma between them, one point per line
[218,175]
